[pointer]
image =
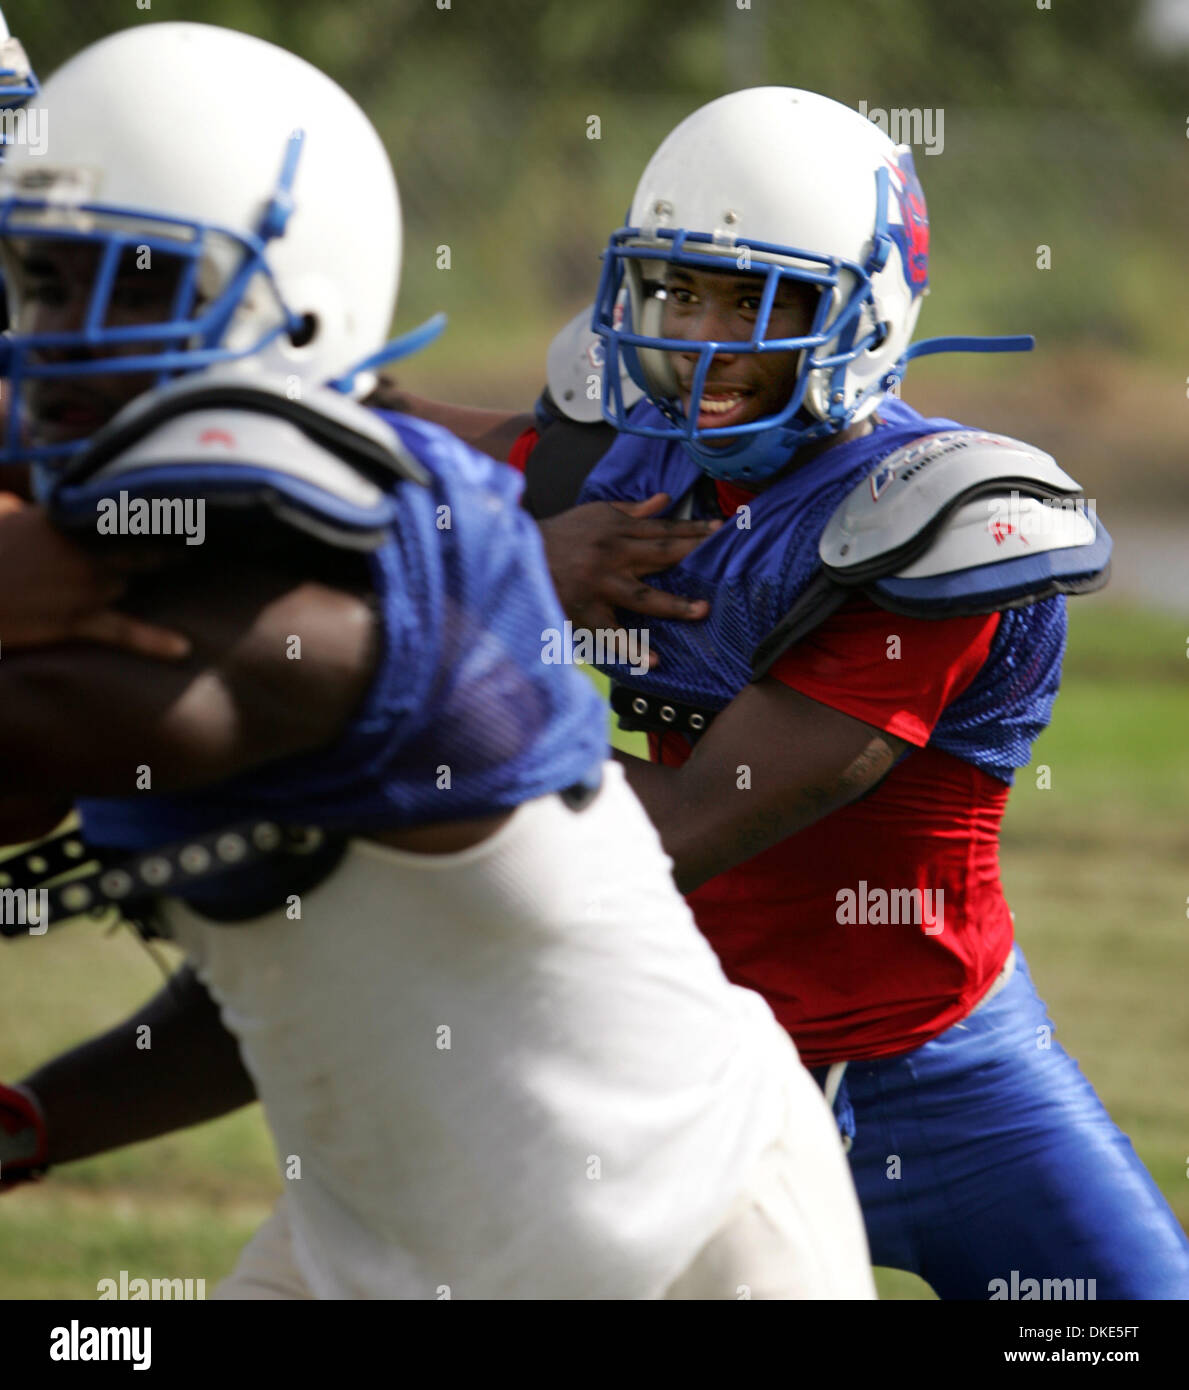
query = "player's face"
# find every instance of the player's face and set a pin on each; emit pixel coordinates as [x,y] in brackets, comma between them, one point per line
[723,306]
[50,286]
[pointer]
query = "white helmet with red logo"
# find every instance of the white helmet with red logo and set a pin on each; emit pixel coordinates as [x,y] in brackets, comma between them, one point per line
[793,186]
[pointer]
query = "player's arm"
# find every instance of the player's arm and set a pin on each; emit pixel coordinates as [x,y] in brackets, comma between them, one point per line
[829,721]
[79,720]
[492,432]
[52,590]
[772,763]
[110,1091]
[596,552]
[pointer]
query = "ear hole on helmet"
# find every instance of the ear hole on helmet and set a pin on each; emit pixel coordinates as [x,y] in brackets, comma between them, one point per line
[305,332]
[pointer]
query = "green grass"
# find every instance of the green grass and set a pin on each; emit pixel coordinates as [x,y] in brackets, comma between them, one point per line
[1095,868]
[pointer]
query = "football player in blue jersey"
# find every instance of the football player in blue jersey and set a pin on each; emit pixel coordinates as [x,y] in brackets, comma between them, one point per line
[425,920]
[832,746]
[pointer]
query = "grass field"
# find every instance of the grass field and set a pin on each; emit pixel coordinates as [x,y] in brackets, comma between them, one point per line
[1096,868]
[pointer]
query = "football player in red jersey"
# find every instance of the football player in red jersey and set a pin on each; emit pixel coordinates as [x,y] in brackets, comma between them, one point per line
[832,747]
[831,795]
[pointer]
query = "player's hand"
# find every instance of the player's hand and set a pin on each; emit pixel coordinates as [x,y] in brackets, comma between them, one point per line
[598,552]
[23,1148]
[52,591]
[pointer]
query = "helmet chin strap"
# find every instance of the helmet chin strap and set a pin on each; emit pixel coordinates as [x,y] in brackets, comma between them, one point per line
[752,461]
[1015,342]
[765,453]
[404,346]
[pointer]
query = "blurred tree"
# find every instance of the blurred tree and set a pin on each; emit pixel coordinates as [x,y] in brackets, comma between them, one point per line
[1063,127]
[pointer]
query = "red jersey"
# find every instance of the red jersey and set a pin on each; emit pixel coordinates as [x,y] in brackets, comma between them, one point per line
[879,926]
[525,443]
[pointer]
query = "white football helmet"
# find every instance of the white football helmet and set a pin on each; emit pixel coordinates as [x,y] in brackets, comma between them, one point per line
[18,82]
[254,169]
[788,184]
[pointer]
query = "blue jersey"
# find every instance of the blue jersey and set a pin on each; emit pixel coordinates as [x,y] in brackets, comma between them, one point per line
[753,569]
[464,716]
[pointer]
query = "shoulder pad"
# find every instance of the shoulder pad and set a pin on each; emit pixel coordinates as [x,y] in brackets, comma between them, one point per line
[952,525]
[559,463]
[966,522]
[322,463]
[888,519]
[574,356]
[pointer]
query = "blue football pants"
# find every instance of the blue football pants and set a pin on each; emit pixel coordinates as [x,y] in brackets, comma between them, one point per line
[987,1151]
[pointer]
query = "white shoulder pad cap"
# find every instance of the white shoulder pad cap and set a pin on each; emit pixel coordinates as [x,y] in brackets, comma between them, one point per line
[892,514]
[319,461]
[574,356]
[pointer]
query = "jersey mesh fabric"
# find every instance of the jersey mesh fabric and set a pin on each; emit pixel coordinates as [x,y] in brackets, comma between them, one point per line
[463,717]
[986,686]
[753,568]
[998,717]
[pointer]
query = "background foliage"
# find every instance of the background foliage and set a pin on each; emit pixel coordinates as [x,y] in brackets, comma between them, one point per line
[1064,127]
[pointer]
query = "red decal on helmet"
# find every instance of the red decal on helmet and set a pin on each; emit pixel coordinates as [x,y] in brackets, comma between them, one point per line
[912,232]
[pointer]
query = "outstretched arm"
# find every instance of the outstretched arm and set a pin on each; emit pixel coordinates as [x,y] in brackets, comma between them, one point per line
[51,591]
[108,1092]
[79,720]
[492,432]
[772,763]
